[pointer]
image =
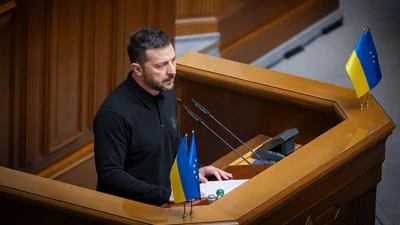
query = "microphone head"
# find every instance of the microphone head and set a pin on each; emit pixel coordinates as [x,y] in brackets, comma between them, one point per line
[192,114]
[202,108]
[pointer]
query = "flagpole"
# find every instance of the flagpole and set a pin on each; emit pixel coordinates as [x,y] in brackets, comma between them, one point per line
[369,27]
[184,211]
[366,102]
[191,207]
[362,104]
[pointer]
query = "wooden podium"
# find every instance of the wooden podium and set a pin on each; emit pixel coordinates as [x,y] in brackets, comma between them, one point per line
[330,179]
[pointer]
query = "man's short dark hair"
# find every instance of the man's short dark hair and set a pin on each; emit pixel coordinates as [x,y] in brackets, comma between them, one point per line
[146,38]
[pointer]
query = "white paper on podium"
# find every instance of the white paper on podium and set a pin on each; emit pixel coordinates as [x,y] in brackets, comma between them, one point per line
[211,187]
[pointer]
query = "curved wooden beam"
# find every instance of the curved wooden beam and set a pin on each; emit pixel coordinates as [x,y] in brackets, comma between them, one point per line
[5,12]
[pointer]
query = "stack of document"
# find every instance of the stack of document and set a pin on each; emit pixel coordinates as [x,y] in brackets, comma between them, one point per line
[211,187]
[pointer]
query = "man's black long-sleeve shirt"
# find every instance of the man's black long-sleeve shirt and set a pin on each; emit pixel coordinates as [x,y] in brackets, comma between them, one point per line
[136,137]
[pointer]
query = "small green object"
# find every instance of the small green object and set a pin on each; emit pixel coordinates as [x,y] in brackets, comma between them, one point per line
[220,193]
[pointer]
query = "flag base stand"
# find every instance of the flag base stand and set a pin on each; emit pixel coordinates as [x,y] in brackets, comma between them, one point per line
[366,102]
[184,216]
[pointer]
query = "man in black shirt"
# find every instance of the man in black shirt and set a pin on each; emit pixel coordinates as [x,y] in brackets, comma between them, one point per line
[136,135]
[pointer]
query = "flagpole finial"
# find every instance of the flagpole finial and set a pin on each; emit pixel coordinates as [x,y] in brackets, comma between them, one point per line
[369,27]
[192,131]
[186,135]
[363,29]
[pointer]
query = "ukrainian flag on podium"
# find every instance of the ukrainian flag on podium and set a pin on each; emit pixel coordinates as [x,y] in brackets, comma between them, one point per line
[363,65]
[184,183]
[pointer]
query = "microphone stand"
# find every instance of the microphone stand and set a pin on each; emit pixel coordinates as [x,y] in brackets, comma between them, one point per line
[205,111]
[198,119]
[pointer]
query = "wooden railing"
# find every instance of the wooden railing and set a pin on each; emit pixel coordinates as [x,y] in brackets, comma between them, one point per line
[251,26]
[196,8]
[5,10]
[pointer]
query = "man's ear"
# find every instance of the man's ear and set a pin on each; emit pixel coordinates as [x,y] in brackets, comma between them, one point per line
[137,69]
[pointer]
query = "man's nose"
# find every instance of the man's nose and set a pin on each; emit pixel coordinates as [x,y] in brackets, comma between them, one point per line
[171,69]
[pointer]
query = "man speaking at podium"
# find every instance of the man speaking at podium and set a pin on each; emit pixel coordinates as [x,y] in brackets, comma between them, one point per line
[136,134]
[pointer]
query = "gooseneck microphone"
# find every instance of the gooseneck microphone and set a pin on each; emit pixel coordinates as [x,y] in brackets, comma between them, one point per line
[198,119]
[205,111]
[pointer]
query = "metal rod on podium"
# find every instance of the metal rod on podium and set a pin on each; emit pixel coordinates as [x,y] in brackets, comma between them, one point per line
[184,211]
[191,208]
[366,101]
[362,103]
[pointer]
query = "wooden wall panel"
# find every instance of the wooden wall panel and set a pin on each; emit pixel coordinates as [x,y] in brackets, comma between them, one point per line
[83,175]
[196,8]
[196,26]
[6,42]
[64,80]
[224,4]
[5,91]
[67,57]
[122,28]
[113,25]
[48,83]
[33,88]
[197,16]
[162,13]
[17,83]
[100,79]
[247,16]
[275,32]
[259,25]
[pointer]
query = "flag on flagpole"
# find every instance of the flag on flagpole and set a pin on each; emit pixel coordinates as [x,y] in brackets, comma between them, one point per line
[183,180]
[363,65]
[193,159]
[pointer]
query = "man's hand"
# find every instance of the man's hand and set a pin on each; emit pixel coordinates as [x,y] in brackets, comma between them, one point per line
[211,170]
[171,197]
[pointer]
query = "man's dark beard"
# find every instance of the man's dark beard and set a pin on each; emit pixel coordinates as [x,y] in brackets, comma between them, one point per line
[149,83]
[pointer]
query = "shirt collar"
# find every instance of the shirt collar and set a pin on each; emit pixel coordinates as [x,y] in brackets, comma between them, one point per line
[144,96]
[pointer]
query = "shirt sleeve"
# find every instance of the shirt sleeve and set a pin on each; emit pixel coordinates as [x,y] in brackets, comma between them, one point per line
[111,135]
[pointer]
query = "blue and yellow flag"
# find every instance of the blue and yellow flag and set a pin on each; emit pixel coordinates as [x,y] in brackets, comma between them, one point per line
[363,65]
[183,179]
[193,159]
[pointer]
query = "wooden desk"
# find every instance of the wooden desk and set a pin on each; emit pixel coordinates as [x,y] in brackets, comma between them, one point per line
[239,171]
[332,178]
[236,167]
